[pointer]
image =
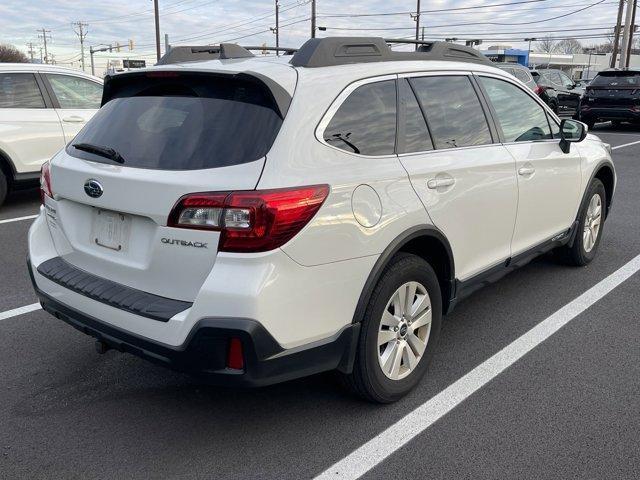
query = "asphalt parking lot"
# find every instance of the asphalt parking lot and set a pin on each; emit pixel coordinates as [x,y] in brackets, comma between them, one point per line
[569,408]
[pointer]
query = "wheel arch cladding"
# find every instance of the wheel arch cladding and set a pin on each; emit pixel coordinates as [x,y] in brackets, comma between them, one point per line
[426,242]
[605,174]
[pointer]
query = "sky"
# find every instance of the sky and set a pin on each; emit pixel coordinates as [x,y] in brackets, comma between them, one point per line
[203,22]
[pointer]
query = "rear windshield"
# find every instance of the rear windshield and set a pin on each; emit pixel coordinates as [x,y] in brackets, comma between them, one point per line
[622,79]
[186,122]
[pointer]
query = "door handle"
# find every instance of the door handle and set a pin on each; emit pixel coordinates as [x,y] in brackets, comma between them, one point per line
[436,183]
[73,119]
[524,171]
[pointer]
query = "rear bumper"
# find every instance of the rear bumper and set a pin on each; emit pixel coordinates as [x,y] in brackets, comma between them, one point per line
[204,352]
[623,114]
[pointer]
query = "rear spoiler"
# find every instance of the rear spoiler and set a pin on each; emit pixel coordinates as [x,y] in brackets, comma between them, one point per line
[115,82]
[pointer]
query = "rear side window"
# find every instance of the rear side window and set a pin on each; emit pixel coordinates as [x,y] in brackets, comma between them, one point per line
[20,90]
[75,92]
[624,79]
[365,123]
[453,111]
[414,133]
[522,119]
[522,75]
[189,122]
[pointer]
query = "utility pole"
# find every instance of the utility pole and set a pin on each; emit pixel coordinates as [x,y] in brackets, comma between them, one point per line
[31,51]
[616,35]
[530,39]
[45,35]
[423,34]
[167,46]
[276,30]
[313,18]
[277,27]
[626,34]
[41,60]
[417,23]
[632,29]
[157,17]
[82,33]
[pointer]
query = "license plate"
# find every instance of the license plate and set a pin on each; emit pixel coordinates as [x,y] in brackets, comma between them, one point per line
[110,229]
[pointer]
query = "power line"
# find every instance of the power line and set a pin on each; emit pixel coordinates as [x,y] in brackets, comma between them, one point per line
[476,7]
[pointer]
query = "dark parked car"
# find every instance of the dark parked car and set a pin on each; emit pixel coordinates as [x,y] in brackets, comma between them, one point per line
[567,95]
[548,95]
[612,95]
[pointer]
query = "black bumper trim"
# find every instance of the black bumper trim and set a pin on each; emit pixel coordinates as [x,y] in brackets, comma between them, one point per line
[114,294]
[204,352]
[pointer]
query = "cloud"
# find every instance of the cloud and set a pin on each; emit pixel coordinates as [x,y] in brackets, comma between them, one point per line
[248,21]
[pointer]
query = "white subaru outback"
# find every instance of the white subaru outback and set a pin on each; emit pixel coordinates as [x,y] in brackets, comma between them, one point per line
[252,220]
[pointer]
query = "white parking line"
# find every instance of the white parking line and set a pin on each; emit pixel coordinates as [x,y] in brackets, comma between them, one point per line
[19,311]
[399,434]
[17,219]
[625,145]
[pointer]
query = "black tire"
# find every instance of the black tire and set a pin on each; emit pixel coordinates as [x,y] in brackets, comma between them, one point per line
[367,379]
[590,124]
[616,123]
[4,187]
[554,107]
[576,254]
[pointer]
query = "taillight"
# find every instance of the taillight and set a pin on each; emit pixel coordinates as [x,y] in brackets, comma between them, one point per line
[250,221]
[538,90]
[45,182]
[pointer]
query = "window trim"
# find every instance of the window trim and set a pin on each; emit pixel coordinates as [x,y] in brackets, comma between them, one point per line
[52,93]
[337,103]
[550,115]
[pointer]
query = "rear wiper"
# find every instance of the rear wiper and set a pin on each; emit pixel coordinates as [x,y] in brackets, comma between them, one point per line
[106,152]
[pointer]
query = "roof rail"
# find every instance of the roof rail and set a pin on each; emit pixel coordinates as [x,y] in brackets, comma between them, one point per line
[329,51]
[223,51]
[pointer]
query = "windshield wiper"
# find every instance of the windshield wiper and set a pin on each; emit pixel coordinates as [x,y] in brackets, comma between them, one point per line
[106,152]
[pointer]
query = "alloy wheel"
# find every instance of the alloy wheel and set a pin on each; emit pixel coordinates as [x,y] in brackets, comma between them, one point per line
[592,223]
[404,330]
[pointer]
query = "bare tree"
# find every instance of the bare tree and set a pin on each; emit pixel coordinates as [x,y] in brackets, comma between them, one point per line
[569,45]
[10,54]
[547,45]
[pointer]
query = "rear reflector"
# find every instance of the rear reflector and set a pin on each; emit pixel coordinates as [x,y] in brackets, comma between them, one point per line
[250,221]
[235,359]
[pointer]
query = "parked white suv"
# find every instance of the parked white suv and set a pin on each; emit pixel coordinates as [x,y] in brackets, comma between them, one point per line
[254,220]
[42,107]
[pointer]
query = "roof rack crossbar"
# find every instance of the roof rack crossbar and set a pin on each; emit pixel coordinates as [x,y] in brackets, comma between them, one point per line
[223,51]
[330,51]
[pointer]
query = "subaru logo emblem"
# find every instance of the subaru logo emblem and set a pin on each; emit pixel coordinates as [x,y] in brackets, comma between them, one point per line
[93,188]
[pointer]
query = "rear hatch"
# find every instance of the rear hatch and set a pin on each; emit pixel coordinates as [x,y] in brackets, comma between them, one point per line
[159,136]
[614,89]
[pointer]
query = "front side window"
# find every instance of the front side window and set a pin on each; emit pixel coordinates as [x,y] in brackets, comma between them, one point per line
[76,92]
[519,115]
[566,81]
[20,90]
[365,123]
[453,111]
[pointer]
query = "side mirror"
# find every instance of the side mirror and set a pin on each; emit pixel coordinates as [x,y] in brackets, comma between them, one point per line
[571,131]
[571,87]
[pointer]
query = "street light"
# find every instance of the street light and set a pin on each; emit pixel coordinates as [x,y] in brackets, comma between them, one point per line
[530,39]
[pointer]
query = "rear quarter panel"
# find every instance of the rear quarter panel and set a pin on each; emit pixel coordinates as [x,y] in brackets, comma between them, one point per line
[298,158]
